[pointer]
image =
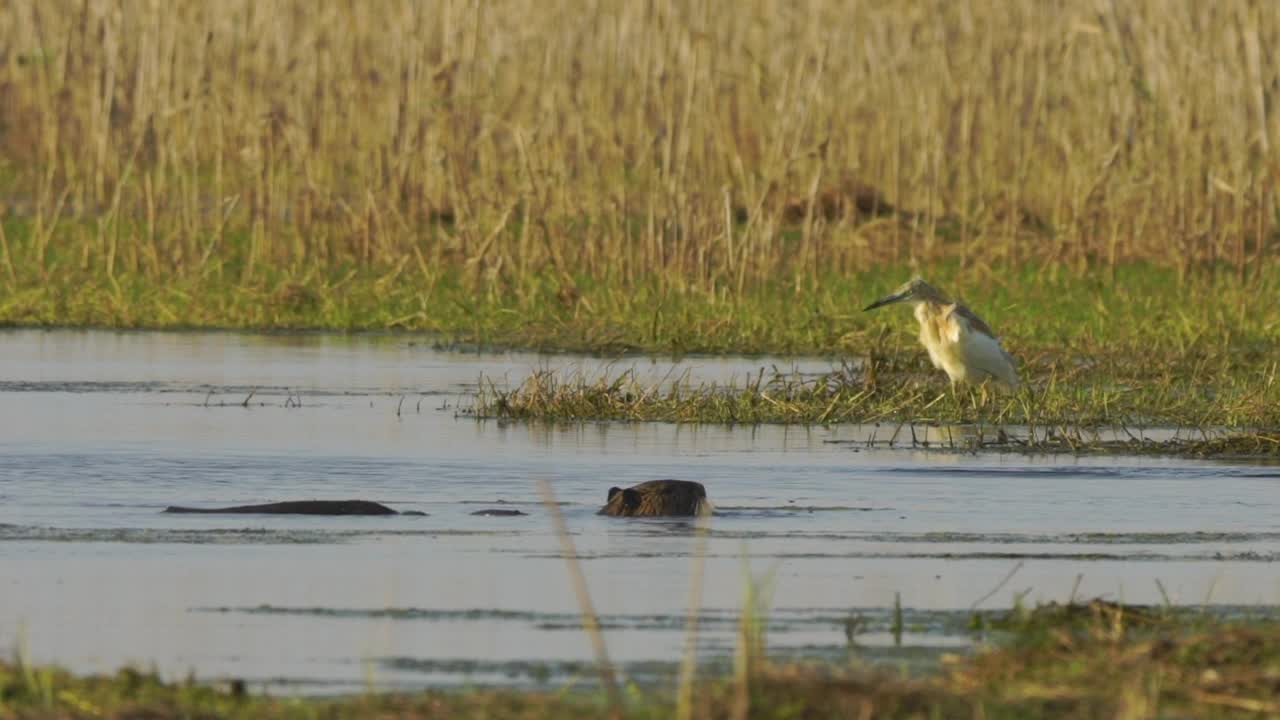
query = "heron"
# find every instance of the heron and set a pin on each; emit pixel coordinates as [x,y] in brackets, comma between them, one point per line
[959,342]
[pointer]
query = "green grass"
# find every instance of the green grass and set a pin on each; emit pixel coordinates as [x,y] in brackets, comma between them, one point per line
[1082,660]
[1142,317]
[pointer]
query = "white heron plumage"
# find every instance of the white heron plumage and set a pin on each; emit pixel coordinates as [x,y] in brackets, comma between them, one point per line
[959,342]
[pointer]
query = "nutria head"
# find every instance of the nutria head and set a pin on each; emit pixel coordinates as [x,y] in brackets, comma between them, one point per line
[657,498]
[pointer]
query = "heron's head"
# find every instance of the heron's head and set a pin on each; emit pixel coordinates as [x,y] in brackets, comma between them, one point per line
[914,290]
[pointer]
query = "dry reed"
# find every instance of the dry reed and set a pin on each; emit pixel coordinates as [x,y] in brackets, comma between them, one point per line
[713,145]
[590,620]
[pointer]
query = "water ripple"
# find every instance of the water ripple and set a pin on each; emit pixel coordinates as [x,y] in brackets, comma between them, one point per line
[223,536]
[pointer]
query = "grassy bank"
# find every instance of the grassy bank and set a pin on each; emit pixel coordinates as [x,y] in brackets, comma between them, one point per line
[1099,183]
[1141,352]
[1075,661]
[1138,350]
[1144,312]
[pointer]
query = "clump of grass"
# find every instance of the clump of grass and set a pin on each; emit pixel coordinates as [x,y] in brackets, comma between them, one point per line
[1105,659]
[1057,415]
[1074,616]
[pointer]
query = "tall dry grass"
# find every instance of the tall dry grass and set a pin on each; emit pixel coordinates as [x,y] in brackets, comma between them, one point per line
[711,143]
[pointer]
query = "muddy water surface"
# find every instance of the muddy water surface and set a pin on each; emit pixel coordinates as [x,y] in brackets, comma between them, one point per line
[100,431]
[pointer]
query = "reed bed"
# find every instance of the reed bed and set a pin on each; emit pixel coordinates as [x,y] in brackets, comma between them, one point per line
[376,165]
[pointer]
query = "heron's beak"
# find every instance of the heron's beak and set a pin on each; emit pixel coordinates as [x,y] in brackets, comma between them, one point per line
[888,300]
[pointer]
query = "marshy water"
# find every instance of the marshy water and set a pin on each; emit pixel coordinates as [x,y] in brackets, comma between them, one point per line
[102,430]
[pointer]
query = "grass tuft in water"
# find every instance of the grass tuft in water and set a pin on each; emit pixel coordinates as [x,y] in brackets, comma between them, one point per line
[1076,413]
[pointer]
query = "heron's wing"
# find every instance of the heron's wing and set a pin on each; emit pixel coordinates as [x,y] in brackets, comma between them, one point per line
[987,353]
[975,323]
[984,357]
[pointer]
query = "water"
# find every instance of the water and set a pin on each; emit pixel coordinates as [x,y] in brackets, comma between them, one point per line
[100,431]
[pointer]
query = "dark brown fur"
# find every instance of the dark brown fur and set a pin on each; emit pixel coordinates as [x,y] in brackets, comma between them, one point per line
[657,498]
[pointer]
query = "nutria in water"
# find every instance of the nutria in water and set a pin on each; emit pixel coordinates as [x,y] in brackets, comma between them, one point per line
[301,507]
[657,498]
